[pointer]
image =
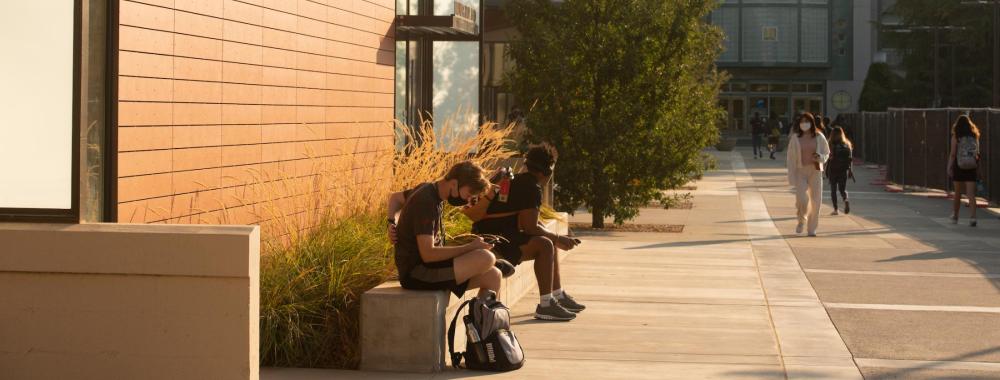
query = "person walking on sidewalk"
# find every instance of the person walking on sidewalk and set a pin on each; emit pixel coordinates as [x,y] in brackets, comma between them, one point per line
[774,129]
[840,167]
[963,164]
[807,152]
[756,135]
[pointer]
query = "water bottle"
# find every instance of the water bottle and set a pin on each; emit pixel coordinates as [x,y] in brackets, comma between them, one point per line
[473,335]
[505,184]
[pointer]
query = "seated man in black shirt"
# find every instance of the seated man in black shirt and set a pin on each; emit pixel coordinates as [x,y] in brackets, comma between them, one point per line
[422,261]
[524,238]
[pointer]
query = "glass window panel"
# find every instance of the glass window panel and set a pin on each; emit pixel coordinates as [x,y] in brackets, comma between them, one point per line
[402,9]
[758,87]
[779,87]
[401,81]
[37,104]
[445,7]
[798,87]
[783,47]
[758,105]
[728,19]
[779,105]
[815,35]
[738,86]
[92,180]
[817,87]
[456,88]
[737,114]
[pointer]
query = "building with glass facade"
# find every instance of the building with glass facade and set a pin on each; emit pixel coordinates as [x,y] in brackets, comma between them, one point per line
[793,56]
[450,73]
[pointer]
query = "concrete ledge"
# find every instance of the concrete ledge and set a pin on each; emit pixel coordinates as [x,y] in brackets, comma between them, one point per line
[405,330]
[100,301]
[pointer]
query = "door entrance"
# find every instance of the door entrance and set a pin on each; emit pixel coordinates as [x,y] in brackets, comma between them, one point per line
[735,107]
[811,104]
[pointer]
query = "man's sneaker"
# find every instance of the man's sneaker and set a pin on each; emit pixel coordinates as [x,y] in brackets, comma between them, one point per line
[553,312]
[835,212]
[847,207]
[505,267]
[799,228]
[570,304]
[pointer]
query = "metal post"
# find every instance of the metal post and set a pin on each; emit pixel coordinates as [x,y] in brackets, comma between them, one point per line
[996,54]
[937,94]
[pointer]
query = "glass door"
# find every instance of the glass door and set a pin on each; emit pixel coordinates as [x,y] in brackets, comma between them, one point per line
[735,113]
[811,104]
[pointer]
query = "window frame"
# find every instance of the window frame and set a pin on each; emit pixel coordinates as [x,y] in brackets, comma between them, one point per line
[73,213]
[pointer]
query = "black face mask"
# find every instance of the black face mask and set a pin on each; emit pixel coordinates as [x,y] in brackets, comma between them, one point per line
[457,201]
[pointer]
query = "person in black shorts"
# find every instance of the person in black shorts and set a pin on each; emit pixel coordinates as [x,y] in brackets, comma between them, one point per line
[514,219]
[422,260]
[963,165]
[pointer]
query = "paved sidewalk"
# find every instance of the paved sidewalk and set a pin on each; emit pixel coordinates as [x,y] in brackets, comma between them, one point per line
[914,296]
[724,299]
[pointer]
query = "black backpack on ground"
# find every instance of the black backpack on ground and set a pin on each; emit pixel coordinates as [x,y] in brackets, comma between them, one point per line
[490,345]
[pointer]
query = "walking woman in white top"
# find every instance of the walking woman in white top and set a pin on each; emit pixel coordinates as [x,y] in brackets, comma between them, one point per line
[808,151]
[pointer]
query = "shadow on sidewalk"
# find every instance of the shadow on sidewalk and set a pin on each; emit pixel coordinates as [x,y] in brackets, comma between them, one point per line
[913,217]
[905,373]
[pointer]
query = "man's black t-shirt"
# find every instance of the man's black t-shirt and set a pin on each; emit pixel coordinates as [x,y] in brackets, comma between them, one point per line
[421,215]
[525,193]
[756,126]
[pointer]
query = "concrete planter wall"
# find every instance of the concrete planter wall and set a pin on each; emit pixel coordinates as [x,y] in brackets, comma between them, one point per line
[726,144]
[117,301]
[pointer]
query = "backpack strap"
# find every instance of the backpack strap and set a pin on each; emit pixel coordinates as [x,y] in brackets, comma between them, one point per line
[456,358]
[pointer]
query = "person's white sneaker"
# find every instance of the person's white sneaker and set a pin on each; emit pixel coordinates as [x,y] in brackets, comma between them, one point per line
[835,212]
[812,234]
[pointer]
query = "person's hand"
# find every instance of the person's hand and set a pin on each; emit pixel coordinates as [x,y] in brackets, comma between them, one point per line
[950,172]
[565,243]
[816,157]
[392,233]
[479,243]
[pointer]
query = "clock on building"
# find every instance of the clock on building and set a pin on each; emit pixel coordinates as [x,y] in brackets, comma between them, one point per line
[842,100]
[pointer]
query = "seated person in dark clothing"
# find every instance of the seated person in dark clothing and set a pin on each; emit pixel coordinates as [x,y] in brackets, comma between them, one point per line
[422,260]
[515,219]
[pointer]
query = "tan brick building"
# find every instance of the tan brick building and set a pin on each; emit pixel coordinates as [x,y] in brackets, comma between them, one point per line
[211,91]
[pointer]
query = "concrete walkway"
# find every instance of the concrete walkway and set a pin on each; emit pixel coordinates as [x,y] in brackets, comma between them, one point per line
[724,299]
[914,296]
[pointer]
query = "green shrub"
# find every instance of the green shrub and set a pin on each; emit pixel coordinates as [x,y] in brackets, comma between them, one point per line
[317,262]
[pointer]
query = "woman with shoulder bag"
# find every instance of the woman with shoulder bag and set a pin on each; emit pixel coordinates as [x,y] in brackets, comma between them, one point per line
[963,163]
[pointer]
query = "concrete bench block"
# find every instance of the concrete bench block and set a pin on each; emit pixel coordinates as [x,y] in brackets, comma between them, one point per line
[403,330]
[406,330]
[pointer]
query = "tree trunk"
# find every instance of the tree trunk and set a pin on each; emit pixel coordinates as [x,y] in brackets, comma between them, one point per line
[597,220]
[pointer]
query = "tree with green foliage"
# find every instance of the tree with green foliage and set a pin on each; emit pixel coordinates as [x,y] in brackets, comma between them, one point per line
[877,93]
[625,89]
[964,72]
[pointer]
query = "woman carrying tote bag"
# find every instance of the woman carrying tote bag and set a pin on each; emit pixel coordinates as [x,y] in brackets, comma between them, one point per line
[807,152]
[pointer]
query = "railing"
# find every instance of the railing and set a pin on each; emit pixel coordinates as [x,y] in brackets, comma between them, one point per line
[914,145]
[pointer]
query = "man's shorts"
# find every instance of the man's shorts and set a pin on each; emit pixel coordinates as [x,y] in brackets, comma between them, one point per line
[434,276]
[510,251]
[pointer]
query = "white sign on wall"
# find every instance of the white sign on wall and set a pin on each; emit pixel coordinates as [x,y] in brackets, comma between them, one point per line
[36,104]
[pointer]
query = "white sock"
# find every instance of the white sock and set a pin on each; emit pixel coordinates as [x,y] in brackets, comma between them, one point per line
[558,294]
[546,299]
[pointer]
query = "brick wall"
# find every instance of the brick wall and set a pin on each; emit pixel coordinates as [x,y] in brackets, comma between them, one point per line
[213,93]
